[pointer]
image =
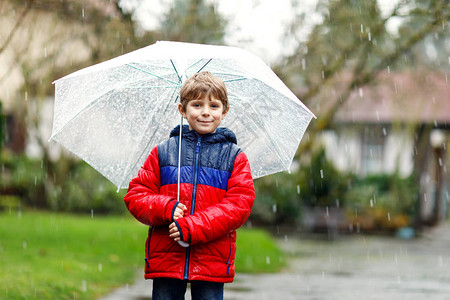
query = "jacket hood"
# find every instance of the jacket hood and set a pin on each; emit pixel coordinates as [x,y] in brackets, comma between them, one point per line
[221,135]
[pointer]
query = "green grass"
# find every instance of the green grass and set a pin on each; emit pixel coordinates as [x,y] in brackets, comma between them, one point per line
[63,256]
[257,252]
[60,256]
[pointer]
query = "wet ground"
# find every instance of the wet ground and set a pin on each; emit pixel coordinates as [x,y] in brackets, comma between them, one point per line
[347,267]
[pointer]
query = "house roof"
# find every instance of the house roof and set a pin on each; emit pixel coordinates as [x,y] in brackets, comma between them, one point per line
[400,97]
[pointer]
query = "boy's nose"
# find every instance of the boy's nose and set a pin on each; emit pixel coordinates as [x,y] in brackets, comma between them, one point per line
[205,111]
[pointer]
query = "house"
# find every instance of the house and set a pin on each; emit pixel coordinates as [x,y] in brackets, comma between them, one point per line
[39,42]
[400,124]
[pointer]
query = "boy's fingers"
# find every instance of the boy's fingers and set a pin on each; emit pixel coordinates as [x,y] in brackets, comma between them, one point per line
[182,206]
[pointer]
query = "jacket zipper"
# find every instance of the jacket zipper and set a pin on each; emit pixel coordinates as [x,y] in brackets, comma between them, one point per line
[150,231]
[194,195]
[229,256]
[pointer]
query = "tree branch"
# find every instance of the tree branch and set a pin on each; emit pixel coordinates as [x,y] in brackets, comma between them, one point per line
[17,25]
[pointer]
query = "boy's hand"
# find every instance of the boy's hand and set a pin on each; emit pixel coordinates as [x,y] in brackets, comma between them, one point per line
[180,211]
[173,232]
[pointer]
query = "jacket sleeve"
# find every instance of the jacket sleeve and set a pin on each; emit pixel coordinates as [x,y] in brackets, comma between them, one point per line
[143,199]
[226,216]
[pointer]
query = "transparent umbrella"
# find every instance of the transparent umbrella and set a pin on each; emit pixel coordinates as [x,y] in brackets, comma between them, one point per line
[112,114]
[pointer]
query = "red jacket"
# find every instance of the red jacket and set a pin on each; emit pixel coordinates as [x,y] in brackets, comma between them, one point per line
[216,187]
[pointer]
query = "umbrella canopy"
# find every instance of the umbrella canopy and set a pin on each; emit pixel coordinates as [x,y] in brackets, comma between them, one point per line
[112,114]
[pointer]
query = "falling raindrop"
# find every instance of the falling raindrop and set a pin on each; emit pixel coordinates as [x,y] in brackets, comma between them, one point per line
[361,92]
[327,212]
[371,203]
[26,96]
[362,28]
[268,260]
[45,52]
[92,213]
[35,180]
[304,63]
[384,131]
[389,216]
[389,69]
[83,286]
[100,267]
[337,203]
[82,13]
[24,244]
[321,173]
[370,37]
[440,261]
[323,74]
[298,189]
[274,208]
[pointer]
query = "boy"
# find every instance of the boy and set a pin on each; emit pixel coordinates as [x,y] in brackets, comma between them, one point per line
[216,197]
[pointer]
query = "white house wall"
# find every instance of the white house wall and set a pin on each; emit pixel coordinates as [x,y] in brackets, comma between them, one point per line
[398,154]
[344,148]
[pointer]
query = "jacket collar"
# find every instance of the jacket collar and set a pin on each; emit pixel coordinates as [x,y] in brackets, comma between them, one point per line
[221,135]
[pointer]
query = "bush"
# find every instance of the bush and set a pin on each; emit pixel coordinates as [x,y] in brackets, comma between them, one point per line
[382,202]
[280,197]
[85,189]
[69,185]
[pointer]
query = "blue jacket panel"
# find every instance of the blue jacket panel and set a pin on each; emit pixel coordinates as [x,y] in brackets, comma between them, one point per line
[216,155]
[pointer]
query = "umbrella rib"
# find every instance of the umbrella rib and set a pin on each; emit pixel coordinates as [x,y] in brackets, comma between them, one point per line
[130,169]
[142,70]
[204,65]
[127,172]
[194,64]
[176,71]
[278,151]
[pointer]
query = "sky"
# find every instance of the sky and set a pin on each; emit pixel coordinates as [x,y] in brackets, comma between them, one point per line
[259,26]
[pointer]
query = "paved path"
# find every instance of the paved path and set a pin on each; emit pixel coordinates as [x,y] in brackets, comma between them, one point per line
[349,267]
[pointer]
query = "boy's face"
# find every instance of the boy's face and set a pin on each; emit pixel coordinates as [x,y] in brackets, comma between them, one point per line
[204,115]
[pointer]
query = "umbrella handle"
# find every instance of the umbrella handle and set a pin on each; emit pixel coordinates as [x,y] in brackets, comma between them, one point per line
[179,160]
[182,244]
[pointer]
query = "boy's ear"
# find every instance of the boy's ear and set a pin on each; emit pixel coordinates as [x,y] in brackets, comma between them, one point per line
[225,112]
[180,109]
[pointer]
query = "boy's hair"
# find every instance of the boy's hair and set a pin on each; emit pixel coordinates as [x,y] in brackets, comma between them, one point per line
[203,84]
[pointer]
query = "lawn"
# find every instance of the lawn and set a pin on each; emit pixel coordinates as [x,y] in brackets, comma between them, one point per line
[63,256]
